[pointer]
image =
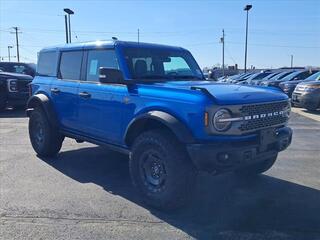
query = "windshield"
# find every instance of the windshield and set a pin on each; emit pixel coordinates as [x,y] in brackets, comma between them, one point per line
[314,77]
[151,63]
[291,76]
[280,75]
[17,68]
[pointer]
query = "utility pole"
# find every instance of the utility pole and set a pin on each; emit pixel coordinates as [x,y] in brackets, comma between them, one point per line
[291,61]
[17,42]
[9,53]
[222,41]
[138,35]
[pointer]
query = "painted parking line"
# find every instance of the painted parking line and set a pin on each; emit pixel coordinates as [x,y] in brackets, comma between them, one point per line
[312,115]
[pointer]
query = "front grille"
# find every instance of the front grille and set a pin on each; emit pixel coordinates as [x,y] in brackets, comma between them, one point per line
[23,86]
[264,115]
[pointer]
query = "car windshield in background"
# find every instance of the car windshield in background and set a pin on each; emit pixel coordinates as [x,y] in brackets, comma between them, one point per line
[280,76]
[28,69]
[314,77]
[291,76]
[149,63]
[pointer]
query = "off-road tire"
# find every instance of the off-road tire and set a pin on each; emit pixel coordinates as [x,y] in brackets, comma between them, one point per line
[162,147]
[256,168]
[45,140]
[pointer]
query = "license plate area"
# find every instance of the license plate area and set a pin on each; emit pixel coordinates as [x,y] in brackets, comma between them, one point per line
[295,98]
[267,136]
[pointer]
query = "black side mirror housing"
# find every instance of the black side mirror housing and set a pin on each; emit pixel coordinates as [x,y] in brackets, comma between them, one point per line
[110,75]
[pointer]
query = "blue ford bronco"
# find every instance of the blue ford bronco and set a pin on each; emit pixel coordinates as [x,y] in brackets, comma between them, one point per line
[152,102]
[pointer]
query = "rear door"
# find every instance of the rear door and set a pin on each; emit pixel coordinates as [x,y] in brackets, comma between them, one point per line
[100,104]
[64,89]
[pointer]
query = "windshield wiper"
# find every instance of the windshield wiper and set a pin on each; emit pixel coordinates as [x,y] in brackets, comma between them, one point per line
[151,76]
[186,77]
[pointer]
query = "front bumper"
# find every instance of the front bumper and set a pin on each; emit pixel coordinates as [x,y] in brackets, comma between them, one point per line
[17,98]
[306,100]
[222,157]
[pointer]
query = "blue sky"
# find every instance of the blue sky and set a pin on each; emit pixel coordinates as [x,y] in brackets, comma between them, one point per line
[277,28]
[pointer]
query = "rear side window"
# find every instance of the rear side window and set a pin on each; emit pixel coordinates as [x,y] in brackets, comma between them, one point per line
[70,65]
[97,59]
[47,64]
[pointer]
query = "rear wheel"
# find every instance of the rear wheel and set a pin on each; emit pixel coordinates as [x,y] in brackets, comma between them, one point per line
[45,140]
[256,168]
[160,170]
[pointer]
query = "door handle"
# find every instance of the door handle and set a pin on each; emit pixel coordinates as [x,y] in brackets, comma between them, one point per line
[85,95]
[55,90]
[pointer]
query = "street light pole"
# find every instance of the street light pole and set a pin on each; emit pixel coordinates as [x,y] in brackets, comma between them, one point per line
[66,27]
[9,53]
[246,8]
[291,61]
[69,12]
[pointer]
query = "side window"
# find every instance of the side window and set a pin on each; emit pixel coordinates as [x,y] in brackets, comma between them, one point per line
[70,65]
[47,63]
[97,59]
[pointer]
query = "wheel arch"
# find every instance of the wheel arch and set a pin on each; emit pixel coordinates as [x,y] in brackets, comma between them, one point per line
[42,101]
[157,119]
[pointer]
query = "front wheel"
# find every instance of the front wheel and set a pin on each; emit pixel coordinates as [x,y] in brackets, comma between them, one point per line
[45,140]
[161,170]
[256,168]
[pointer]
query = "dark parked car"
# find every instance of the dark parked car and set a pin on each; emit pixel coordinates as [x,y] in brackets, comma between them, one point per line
[288,87]
[14,81]
[307,95]
[296,75]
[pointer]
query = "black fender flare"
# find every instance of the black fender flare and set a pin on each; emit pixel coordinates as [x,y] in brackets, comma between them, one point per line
[137,124]
[41,100]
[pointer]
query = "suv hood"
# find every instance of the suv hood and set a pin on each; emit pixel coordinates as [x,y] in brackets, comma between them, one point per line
[229,94]
[310,83]
[16,75]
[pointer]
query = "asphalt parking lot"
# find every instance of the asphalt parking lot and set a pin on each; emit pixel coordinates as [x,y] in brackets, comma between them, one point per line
[85,193]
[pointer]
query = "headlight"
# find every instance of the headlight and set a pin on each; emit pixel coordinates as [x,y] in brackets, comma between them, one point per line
[221,120]
[311,88]
[13,85]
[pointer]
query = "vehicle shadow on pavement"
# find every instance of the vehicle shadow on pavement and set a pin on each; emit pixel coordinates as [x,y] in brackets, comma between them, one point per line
[13,113]
[221,205]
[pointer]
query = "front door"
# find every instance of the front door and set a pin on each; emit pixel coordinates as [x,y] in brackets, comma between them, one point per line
[100,114]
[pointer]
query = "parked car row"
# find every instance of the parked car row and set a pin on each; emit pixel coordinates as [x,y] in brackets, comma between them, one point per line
[302,85]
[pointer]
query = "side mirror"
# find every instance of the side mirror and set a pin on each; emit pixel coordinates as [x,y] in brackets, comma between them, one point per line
[110,75]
